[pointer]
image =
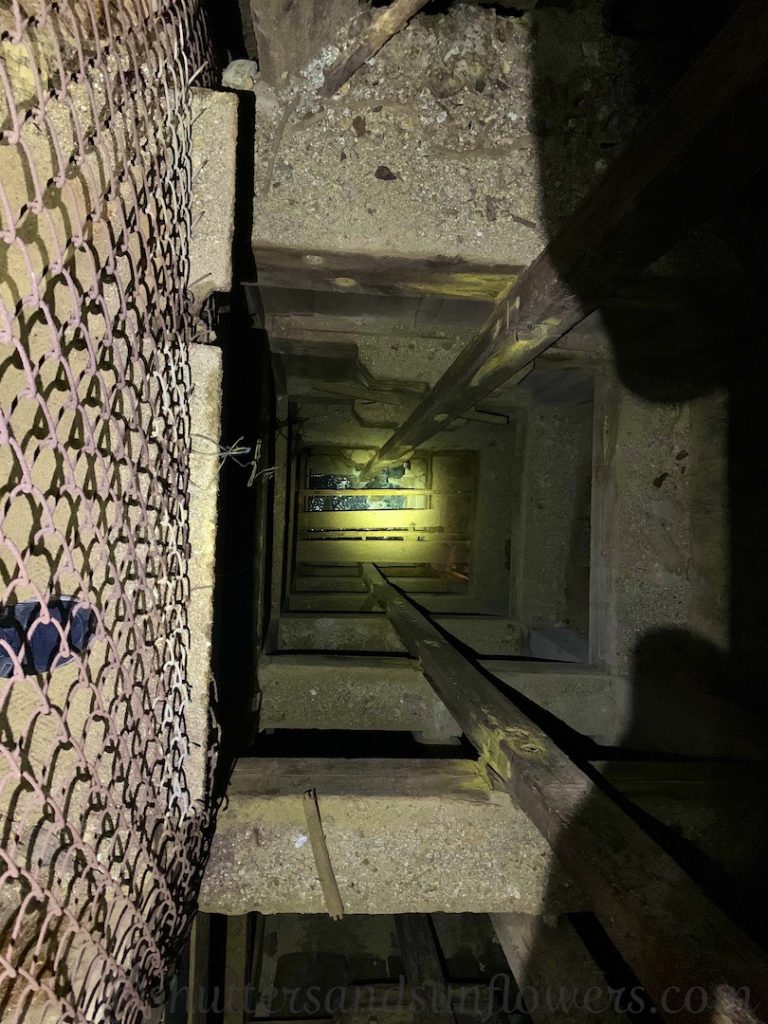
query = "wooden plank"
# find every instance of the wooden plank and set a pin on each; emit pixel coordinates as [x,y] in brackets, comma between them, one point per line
[661,922]
[708,139]
[325,328]
[280,511]
[554,971]
[199,955]
[382,274]
[236,969]
[400,552]
[423,968]
[389,777]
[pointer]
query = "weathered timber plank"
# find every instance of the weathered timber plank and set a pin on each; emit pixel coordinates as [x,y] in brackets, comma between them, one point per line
[660,921]
[382,273]
[554,971]
[199,955]
[373,776]
[707,140]
[236,969]
[325,328]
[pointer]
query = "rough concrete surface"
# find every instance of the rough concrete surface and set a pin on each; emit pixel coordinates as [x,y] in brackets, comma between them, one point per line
[205,412]
[214,145]
[459,847]
[653,521]
[373,633]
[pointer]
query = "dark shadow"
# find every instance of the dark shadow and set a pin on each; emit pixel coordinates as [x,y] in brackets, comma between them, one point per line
[689,344]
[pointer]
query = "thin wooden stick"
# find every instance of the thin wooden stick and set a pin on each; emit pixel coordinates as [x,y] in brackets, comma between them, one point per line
[328,883]
[382,28]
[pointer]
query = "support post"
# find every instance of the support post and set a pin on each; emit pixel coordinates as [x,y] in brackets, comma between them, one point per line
[553,968]
[423,970]
[706,142]
[665,927]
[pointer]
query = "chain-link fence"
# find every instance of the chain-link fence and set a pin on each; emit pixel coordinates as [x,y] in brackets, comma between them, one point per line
[102,838]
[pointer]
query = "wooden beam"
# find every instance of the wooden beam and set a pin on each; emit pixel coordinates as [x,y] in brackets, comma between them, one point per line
[554,970]
[235,969]
[668,931]
[381,273]
[423,968]
[404,836]
[199,955]
[707,140]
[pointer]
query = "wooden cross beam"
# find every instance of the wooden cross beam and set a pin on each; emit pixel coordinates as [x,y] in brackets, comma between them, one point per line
[707,140]
[658,918]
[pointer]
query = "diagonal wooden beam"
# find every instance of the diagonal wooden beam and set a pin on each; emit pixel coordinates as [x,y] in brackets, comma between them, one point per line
[669,932]
[705,143]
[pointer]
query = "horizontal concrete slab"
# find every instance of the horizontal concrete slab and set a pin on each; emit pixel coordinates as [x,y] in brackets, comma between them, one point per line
[348,692]
[403,836]
[372,632]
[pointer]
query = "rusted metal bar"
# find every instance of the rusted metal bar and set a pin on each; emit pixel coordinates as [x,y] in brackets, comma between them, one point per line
[672,936]
[707,140]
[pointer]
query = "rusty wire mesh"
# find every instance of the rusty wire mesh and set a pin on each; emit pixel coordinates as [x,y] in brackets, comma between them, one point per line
[102,831]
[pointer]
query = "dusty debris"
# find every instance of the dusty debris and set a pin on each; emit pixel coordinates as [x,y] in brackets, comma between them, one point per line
[382,27]
[472,104]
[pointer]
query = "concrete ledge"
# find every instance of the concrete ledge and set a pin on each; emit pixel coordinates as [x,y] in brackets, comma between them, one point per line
[404,836]
[205,411]
[214,146]
[314,691]
[484,634]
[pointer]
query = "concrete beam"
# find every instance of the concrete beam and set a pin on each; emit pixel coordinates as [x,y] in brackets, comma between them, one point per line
[484,634]
[404,836]
[214,145]
[315,691]
[205,412]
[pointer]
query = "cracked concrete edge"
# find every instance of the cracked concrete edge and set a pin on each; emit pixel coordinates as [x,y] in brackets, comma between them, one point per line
[214,152]
[205,409]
